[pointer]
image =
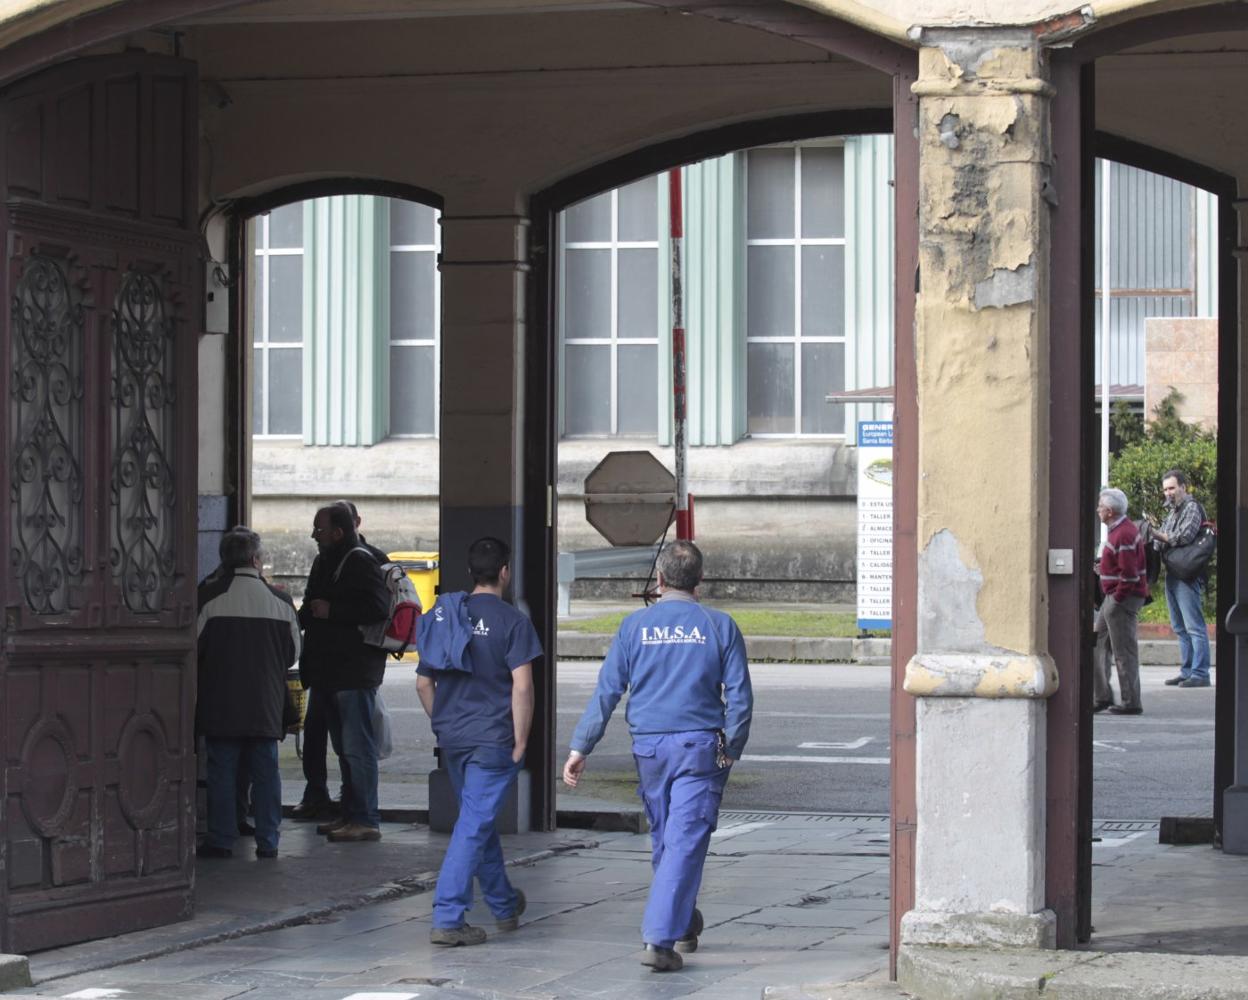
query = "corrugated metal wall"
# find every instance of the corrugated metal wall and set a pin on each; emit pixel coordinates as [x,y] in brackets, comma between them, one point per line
[715,337]
[1162,235]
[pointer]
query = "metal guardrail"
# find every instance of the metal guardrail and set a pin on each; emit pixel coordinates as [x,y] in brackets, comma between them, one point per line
[572,566]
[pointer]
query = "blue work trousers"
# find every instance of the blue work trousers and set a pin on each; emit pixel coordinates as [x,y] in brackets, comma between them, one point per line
[681,786]
[266,790]
[481,777]
[1188,622]
[349,715]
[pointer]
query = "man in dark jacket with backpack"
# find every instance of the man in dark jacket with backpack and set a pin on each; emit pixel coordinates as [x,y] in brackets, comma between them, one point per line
[248,639]
[316,802]
[346,590]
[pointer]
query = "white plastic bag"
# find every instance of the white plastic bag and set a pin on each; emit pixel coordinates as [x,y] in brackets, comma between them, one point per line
[383,737]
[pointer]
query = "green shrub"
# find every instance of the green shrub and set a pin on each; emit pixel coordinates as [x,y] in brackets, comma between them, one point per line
[1169,443]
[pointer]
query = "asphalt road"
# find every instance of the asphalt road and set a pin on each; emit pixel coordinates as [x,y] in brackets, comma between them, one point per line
[820,743]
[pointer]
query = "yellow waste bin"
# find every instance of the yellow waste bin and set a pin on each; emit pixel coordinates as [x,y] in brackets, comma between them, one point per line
[422,569]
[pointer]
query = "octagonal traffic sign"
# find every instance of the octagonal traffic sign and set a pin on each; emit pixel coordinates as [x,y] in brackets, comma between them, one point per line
[629,498]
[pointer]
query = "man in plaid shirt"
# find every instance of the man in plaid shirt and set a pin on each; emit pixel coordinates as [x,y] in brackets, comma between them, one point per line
[1180,527]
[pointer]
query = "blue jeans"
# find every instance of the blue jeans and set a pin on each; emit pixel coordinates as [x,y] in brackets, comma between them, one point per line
[481,777]
[266,790]
[349,715]
[1188,622]
[681,787]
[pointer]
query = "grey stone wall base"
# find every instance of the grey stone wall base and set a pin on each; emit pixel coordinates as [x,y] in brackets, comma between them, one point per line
[870,652]
[14,972]
[980,930]
[1028,974]
[780,649]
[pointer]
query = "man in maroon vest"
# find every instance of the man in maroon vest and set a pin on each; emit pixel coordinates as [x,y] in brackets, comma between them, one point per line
[1124,581]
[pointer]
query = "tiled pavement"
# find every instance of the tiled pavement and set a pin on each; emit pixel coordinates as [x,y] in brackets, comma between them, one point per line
[786,899]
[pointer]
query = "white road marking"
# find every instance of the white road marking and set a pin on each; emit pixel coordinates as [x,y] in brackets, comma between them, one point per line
[857,744]
[732,831]
[1112,745]
[95,993]
[381,996]
[780,758]
[1119,841]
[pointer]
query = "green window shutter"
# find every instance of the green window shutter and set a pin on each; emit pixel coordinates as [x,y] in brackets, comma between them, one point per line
[715,351]
[868,269]
[346,320]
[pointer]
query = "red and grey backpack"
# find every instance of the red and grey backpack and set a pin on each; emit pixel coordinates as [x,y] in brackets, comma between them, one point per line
[396,633]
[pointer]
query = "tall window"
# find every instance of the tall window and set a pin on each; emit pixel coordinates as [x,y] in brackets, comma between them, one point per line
[277,324]
[415,309]
[795,289]
[609,276]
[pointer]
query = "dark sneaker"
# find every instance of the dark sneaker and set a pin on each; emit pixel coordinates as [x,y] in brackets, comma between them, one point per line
[1192,682]
[689,942]
[453,937]
[330,826]
[1100,706]
[1175,681]
[212,851]
[512,922]
[266,852]
[354,833]
[661,959]
[1123,710]
[313,810]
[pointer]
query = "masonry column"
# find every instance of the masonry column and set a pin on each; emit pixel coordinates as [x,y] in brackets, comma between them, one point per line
[483,266]
[486,422]
[982,671]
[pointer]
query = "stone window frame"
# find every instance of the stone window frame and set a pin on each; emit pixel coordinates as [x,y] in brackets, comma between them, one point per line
[402,343]
[798,241]
[262,253]
[612,343]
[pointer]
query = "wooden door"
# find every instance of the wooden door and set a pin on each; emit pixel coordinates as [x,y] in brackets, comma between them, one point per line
[97,665]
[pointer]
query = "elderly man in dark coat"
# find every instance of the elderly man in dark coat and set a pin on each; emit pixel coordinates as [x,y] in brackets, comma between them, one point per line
[248,639]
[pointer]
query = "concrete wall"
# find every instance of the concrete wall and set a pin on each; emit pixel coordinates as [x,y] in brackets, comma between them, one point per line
[777,518]
[1183,354]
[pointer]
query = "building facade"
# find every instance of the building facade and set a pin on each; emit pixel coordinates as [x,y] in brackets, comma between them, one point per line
[236,109]
[789,296]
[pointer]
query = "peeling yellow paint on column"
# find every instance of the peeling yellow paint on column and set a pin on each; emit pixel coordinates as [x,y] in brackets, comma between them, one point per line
[981,339]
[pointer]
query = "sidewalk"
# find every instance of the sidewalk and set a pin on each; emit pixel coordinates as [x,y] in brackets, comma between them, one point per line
[786,899]
[796,909]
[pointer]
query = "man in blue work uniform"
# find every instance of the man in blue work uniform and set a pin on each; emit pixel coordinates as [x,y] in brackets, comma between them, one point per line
[475,681]
[689,708]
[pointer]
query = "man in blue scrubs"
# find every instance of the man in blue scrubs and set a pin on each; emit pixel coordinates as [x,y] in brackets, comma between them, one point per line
[480,700]
[689,708]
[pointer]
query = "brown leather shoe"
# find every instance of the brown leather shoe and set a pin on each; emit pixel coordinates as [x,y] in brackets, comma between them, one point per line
[452,937]
[331,826]
[353,833]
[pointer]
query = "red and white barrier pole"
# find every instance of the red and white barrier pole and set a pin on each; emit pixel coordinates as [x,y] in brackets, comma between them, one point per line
[684,502]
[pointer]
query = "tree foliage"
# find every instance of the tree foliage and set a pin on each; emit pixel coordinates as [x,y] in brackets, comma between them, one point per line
[1168,442]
